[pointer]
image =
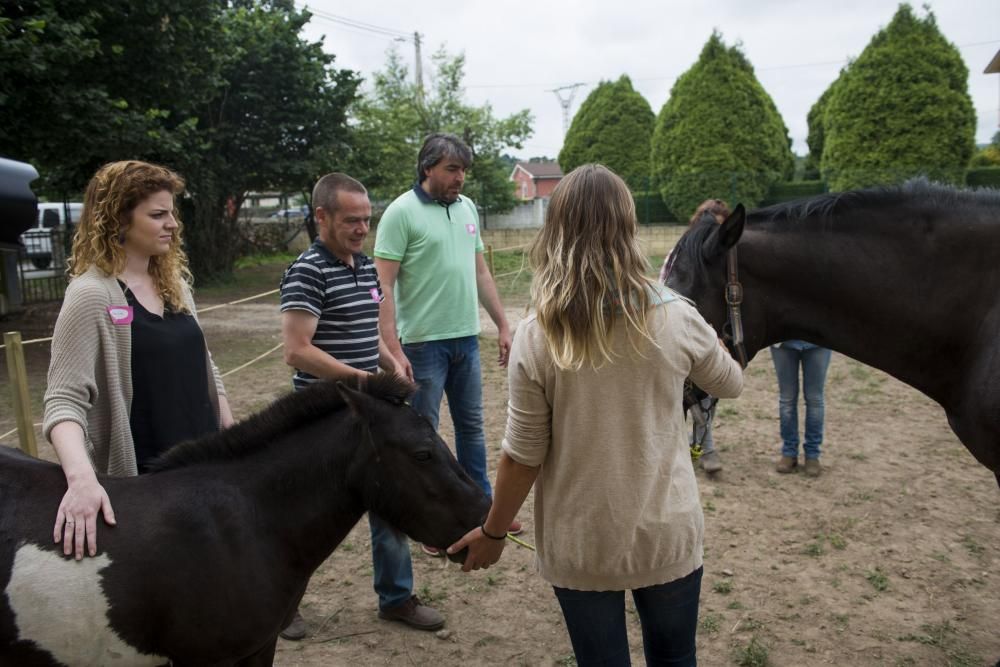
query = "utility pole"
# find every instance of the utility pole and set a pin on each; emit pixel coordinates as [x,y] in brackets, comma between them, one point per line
[419,69]
[566,102]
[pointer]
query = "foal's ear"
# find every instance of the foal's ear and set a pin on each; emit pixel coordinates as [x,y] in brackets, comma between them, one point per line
[725,235]
[359,402]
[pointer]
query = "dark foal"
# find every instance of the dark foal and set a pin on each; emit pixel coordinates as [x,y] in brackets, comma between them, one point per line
[904,279]
[213,550]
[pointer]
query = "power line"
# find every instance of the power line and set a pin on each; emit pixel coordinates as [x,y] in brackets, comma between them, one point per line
[360,25]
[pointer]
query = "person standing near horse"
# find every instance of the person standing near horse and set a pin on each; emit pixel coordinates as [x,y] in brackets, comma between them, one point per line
[429,256]
[701,430]
[130,374]
[814,360]
[330,302]
[603,335]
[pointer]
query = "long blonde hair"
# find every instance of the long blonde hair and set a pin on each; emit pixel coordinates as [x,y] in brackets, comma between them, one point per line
[589,269]
[111,197]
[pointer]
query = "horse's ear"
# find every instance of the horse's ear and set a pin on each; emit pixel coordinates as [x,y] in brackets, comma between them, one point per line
[358,401]
[725,235]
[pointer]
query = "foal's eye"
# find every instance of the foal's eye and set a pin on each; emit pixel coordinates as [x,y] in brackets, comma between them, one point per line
[422,456]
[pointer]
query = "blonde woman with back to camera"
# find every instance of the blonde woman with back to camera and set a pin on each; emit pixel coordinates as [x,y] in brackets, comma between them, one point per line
[595,423]
[129,374]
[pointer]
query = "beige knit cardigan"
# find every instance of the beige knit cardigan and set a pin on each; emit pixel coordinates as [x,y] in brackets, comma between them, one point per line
[616,500]
[90,372]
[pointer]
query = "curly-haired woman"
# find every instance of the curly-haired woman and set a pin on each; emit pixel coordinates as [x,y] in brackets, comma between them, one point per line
[130,374]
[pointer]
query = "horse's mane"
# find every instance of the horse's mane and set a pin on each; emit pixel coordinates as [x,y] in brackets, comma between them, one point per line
[933,196]
[286,413]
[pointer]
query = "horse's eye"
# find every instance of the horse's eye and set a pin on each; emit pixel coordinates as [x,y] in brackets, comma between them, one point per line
[423,455]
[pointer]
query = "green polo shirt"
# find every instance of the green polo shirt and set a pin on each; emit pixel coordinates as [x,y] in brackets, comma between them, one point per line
[436,245]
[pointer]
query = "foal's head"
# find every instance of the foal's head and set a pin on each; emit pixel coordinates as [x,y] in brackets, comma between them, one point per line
[405,473]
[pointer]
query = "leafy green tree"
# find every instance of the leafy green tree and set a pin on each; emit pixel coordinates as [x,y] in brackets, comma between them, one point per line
[394,117]
[989,155]
[227,94]
[817,135]
[902,109]
[278,123]
[82,84]
[614,126]
[719,134]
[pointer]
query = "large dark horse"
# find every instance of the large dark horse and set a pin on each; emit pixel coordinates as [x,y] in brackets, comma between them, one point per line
[214,549]
[905,279]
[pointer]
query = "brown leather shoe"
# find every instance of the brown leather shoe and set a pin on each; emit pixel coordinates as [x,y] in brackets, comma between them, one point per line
[414,614]
[787,464]
[813,468]
[296,630]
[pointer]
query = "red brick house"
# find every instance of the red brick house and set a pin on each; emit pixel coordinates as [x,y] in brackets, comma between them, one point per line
[535,180]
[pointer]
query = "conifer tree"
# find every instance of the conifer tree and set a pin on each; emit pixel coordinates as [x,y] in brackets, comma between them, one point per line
[902,110]
[613,126]
[719,134]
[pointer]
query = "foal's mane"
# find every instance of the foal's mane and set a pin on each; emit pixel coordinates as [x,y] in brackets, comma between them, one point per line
[291,411]
[920,191]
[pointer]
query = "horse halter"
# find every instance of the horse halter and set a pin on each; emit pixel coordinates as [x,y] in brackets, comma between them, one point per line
[733,331]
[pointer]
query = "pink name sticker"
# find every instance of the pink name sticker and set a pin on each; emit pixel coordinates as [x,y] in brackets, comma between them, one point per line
[376,297]
[120,314]
[471,228]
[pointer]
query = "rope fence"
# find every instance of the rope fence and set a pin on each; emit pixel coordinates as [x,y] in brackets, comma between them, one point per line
[13,345]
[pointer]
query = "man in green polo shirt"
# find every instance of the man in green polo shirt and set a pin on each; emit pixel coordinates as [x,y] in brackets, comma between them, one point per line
[429,257]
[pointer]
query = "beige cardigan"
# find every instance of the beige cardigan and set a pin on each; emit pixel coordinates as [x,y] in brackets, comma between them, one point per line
[616,501]
[90,372]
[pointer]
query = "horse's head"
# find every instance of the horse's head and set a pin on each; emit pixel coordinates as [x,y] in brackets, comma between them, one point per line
[405,473]
[697,264]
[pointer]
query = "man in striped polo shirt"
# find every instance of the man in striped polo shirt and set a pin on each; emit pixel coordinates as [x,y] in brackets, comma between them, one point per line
[330,300]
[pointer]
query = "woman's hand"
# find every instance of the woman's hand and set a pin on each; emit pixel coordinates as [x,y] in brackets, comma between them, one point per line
[76,520]
[483,551]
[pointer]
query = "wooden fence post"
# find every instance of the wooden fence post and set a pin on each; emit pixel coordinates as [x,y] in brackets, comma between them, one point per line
[19,392]
[489,259]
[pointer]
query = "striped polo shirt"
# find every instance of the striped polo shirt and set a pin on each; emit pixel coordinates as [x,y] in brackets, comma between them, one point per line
[346,301]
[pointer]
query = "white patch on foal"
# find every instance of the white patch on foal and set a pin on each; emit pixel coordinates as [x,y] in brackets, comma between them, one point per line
[59,605]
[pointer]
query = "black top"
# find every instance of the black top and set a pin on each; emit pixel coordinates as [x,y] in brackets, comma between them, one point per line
[170,397]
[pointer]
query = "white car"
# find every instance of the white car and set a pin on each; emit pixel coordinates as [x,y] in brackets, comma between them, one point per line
[37,241]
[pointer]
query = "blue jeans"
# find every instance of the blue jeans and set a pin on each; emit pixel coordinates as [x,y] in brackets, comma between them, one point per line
[393,570]
[814,362]
[451,367]
[668,614]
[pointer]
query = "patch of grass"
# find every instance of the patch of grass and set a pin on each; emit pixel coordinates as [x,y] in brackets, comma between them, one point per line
[710,623]
[346,546]
[727,410]
[858,456]
[427,594]
[754,654]
[945,637]
[837,541]
[814,549]
[877,579]
[709,506]
[940,557]
[723,587]
[973,547]
[735,604]
[566,660]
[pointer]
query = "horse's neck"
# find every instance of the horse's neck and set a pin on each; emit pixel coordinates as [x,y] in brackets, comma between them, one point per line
[862,292]
[299,485]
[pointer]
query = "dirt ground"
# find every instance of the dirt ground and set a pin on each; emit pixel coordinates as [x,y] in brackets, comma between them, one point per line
[889,558]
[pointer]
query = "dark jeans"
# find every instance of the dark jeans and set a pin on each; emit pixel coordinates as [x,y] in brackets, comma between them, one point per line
[668,614]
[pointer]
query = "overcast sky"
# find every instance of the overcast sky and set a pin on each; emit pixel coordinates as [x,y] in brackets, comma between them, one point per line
[516,53]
